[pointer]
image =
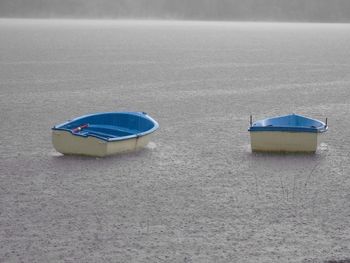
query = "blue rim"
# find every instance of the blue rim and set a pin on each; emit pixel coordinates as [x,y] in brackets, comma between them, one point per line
[63,126]
[289,123]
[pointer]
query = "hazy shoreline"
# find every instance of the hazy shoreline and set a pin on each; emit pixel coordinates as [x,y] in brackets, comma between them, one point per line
[221,25]
[146,21]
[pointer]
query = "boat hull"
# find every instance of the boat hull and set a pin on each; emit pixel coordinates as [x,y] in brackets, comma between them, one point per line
[67,143]
[275,141]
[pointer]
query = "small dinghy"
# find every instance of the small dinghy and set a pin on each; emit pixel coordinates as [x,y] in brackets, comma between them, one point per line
[290,133]
[103,134]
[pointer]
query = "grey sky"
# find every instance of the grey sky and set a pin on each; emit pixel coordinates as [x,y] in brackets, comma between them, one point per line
[253,10]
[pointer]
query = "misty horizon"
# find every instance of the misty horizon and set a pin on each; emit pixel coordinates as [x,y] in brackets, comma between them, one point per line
[203,10]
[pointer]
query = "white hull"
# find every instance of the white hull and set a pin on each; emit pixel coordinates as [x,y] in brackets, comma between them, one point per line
[67,143]
[275,141]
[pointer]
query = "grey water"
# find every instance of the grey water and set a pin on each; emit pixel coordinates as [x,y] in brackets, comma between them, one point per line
[196,193]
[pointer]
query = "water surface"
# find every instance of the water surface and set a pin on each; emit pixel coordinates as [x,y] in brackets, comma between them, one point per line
[196,193]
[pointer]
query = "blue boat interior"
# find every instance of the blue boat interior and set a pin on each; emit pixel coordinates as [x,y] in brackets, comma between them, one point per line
[292,122]
[111,125]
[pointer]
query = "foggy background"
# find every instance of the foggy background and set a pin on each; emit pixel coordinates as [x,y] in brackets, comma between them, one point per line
[247,10]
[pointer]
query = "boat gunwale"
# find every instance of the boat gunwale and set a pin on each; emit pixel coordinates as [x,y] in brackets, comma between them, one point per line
[113,139]
[288,128]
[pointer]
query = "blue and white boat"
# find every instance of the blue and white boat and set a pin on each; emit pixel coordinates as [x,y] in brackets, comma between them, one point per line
[289,133]
[103,134]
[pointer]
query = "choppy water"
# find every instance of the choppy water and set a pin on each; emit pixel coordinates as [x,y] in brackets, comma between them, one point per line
[196,193]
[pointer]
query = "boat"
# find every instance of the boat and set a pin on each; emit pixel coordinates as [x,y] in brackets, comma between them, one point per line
[103,134]
[289,133]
